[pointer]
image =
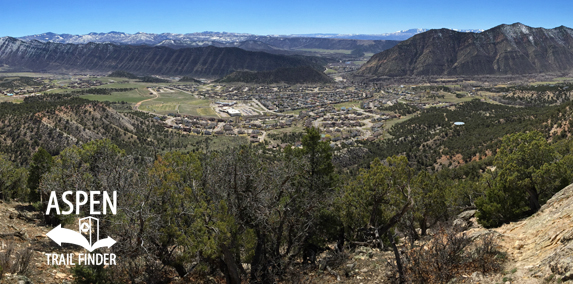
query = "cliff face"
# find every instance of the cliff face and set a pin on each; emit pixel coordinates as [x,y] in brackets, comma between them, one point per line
[208,61]
[505,49]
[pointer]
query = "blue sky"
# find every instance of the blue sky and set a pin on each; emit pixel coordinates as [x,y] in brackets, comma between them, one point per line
[26,17]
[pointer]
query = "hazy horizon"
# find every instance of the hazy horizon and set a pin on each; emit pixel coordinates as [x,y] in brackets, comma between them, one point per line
[30,17]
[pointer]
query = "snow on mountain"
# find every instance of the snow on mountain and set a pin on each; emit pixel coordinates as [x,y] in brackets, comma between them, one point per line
[203,37]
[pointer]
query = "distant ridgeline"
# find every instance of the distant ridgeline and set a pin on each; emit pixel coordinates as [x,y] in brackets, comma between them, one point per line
[297,75]
[210,61]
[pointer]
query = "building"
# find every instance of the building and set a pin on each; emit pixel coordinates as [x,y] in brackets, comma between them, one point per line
[233,112]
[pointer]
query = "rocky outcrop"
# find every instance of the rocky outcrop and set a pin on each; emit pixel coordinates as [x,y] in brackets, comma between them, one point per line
[465,220]
[539,247]
[505,49]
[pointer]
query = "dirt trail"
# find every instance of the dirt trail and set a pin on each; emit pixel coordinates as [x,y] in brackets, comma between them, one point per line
[136,106]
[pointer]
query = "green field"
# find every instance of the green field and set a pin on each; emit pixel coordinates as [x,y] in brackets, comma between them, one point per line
[389,123]
[296,111]
[288,129]
[347,104]
[10,99]
[23,74]
[448,98]
[318,50]
[178,102]
[330,71]
[132,96]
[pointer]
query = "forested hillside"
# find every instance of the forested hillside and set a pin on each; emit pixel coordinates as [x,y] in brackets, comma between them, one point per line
[57,121]
[431,140]
[190,213]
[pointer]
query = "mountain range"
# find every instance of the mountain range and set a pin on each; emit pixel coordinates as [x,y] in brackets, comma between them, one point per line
[287,45]
[504,50]
[399,35]
[208,38]
[203,62]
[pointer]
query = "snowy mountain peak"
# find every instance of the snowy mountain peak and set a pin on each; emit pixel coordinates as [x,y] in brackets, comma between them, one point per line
[207,36]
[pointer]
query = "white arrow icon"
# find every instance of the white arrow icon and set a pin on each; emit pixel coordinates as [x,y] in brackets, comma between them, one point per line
[62,235]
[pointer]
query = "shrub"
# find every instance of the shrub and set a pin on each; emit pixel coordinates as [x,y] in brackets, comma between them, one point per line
[450,254]
[90,274]
[12,261]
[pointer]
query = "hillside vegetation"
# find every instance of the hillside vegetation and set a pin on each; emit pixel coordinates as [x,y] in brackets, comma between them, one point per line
[298,75]
[431,192]
[57,121]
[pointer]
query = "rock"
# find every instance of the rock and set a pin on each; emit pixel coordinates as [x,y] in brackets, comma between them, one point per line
[538,275]
[562,266]
[518,245]
[568,236]
[453,281]
[477,275]
[460,224]
[467,215]
[20,279]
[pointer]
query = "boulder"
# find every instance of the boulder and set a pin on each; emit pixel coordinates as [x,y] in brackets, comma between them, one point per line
[467,215]
[461,224]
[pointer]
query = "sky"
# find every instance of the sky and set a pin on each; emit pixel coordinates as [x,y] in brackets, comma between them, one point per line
[28,17]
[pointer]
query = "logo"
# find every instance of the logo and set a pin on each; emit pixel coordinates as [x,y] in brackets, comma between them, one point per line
[61,235]
[88,234]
